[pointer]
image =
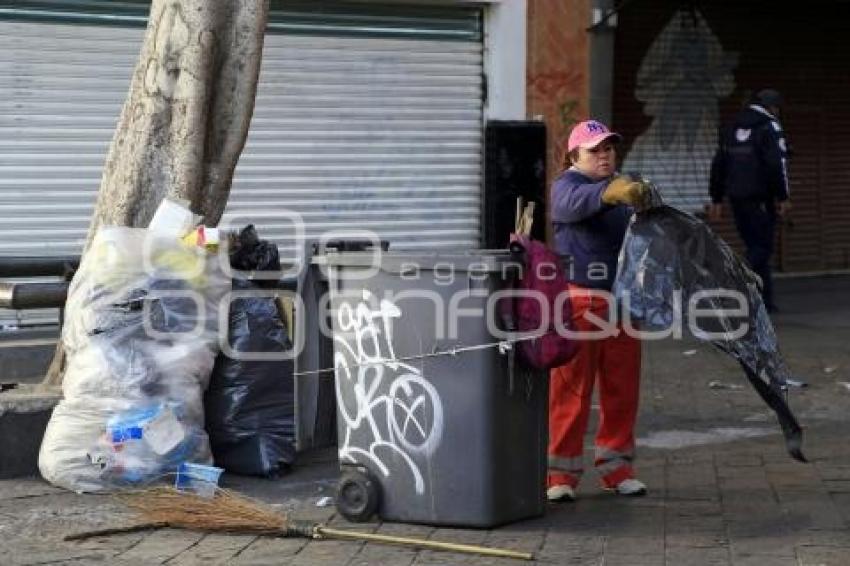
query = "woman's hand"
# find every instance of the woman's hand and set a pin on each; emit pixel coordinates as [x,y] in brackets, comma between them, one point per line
[623,190]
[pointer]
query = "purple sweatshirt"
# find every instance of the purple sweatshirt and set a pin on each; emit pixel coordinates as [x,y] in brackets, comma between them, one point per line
[586,230]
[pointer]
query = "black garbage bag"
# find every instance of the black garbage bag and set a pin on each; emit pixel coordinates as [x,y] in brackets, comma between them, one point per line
[669,257]
[250,403]
[249,253]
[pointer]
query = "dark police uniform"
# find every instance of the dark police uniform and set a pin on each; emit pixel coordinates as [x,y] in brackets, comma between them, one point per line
[750,168]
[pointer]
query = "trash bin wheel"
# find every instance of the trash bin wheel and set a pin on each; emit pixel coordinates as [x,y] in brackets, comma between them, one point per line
[357,495]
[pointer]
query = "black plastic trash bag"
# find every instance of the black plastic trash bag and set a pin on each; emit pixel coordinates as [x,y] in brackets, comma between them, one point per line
[667,252]
[250,403]
[249,253]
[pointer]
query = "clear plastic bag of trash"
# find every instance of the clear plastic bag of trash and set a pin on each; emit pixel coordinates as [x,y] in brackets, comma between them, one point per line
[141,337]
[198,479]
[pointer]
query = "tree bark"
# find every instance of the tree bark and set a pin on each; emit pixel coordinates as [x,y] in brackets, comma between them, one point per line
[186,117]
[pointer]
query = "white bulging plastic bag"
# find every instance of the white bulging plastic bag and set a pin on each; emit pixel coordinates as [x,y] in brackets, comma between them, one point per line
[141,336]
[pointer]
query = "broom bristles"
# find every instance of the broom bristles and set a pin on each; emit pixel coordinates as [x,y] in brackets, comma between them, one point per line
[226,511]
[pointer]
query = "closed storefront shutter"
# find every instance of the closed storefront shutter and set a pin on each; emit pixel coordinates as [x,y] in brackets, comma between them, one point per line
[367,118]
[367,130]
[680,70]
[61,91]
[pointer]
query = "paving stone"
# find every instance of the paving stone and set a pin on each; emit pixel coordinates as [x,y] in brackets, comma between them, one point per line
[842,504]
[763,560]
[816,537]
[530,542]
[326,552]
[765,525]
[37,552]
[812,511]
[532,527]
[568,558]
[697,556]
[822,556]
[435,557]
[707,539]
[829,470]
[684,509]
[558,540]
[383,554]
[837,486]
[695,493]
[26,487]
[614,559]
[49,517]
[112,545]
[268,550]
[622,545]
[738,460]
[767,546]
[161,545]
[212,549]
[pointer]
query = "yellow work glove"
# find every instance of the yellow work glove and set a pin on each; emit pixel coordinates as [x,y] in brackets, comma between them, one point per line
[623,190]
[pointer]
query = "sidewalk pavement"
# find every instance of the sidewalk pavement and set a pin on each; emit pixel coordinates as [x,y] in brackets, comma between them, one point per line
[722,490]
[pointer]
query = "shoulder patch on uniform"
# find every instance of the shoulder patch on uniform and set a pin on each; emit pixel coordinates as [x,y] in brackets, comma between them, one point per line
[782,145]
[776,126]
[742,134]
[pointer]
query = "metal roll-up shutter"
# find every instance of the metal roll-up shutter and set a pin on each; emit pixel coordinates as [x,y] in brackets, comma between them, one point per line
[367,120]
[367,117]
[61,91]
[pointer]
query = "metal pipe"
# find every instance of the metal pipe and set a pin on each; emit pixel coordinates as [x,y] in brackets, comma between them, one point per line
[33,295]
[18,266]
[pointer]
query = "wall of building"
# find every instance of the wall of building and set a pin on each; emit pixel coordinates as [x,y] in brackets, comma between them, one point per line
[558,70]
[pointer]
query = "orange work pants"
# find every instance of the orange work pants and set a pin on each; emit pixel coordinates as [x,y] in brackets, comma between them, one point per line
[615,363]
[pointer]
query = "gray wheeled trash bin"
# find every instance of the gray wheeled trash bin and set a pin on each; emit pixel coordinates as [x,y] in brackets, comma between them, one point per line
[436,423]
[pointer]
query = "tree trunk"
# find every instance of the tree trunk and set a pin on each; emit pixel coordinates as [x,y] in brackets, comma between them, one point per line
[186,117]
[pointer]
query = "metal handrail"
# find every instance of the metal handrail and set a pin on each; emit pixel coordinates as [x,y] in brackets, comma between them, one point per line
[17,295]
[20,266]
[33,295]
[30,295]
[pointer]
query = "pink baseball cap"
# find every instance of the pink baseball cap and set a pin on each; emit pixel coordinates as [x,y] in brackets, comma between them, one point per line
[589,134]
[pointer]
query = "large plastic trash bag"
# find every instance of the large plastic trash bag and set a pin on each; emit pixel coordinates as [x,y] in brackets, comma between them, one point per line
[670,257]
[141,336]
[249,253]
[250,404]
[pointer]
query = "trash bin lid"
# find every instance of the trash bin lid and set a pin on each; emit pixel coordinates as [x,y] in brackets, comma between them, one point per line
[478,261]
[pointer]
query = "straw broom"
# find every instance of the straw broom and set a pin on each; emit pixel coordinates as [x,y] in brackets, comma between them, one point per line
[229,512]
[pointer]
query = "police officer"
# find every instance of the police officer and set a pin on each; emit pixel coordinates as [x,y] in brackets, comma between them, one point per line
[750,169]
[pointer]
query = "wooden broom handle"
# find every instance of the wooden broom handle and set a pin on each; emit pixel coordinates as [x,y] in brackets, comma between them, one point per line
[421,543]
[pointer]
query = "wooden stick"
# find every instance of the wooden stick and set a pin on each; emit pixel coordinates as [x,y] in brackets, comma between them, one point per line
[529,217]
[421,543]
[518,216]
[116,531]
